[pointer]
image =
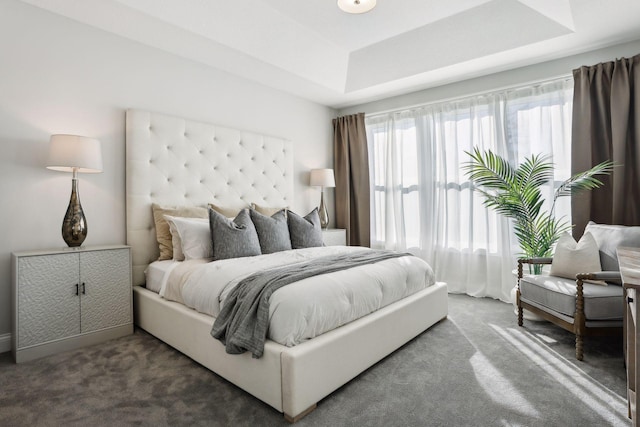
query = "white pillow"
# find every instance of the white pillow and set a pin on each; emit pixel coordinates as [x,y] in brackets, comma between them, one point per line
[194,237]
[571,258]
[176,242]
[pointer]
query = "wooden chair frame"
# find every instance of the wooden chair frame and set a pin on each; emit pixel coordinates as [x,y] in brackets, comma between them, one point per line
[578,327]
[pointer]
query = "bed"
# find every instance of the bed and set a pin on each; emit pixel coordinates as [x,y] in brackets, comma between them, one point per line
[174,161]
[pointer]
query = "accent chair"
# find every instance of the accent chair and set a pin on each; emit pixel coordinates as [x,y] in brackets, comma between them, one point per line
[578,305]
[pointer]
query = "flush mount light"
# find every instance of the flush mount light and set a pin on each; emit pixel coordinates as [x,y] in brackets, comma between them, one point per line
[356,6]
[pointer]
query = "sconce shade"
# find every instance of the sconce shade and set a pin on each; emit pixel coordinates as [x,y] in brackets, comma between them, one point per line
[69,152]
[322,178]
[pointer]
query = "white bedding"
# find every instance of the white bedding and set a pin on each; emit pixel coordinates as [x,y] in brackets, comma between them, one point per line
[307,308]
[157,274]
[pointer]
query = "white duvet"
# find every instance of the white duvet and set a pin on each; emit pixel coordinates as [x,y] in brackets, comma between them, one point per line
[307,308]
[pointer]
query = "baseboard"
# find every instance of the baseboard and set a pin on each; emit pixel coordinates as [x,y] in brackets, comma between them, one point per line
[5,343]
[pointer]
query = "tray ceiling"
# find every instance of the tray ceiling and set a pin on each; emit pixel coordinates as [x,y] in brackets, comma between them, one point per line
[312,49]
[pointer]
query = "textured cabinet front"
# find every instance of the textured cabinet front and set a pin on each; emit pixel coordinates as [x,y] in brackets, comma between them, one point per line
[48,308]
[67,298]
[106,294]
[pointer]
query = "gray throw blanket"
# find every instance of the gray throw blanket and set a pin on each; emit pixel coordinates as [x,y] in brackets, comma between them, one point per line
[243,321]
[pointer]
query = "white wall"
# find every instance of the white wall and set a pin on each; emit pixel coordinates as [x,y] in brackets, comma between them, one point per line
[59,76]
[518,76]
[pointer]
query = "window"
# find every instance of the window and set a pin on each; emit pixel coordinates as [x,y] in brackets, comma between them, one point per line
[422,200]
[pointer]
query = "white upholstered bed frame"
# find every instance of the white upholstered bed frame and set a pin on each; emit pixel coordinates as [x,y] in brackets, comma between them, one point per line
[173,161]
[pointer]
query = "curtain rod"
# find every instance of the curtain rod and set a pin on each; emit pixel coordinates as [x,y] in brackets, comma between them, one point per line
[486,92]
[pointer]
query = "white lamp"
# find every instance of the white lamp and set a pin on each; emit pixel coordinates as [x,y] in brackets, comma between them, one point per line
[322,178]
[356,6]
[71,153]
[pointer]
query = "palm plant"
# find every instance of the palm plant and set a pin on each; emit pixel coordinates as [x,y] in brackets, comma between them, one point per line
[515,193]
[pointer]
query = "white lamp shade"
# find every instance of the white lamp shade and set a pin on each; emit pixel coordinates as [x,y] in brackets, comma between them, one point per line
[356,6]
[322,178]
[69,152]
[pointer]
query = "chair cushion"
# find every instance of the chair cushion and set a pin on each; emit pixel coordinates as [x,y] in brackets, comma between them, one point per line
[559,295]
[610,238]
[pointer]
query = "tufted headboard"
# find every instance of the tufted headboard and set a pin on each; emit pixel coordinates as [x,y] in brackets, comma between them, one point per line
[177,162]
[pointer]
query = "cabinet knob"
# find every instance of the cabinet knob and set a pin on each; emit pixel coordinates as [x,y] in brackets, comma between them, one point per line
[77,290]
[629,300]
[83,289]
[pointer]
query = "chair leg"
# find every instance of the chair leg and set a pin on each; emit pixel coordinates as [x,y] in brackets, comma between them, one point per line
[579,319]
[518,303]
[519,316]
[579,351]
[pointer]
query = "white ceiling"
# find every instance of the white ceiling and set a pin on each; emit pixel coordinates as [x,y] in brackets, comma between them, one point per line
[312,49]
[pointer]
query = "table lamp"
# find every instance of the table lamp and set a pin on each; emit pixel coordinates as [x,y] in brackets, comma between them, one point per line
[322,178]
[76,154]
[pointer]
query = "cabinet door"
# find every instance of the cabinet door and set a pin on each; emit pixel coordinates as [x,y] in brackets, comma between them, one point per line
[48,307]
[106,296]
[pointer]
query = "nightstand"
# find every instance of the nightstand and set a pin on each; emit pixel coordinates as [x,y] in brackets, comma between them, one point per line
[68,298]
[629,261]
[334,236]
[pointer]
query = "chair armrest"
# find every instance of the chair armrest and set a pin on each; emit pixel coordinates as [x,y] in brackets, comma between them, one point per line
[608,276]
[535,260]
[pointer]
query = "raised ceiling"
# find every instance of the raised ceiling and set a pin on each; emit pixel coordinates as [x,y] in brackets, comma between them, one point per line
[312,49]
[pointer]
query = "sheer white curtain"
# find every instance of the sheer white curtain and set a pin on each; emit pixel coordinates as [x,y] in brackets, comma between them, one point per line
[422,201]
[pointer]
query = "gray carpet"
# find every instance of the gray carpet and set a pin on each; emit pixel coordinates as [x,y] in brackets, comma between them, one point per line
[474,369]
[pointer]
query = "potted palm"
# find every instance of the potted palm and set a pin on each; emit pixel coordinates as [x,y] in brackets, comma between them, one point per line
[515,193]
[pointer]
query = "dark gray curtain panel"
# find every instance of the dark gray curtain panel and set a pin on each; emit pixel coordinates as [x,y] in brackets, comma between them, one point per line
[351,164]
[605,126]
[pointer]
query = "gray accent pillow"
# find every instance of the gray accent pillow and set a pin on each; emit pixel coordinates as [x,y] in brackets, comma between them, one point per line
[273,232]
[609,238]
[233,239]
[305,232]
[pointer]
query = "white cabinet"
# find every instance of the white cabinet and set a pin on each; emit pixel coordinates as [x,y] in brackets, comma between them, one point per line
[64,299]
[334,236]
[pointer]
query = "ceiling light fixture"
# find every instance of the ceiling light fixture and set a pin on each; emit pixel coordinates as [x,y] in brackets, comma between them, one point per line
[356,6]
